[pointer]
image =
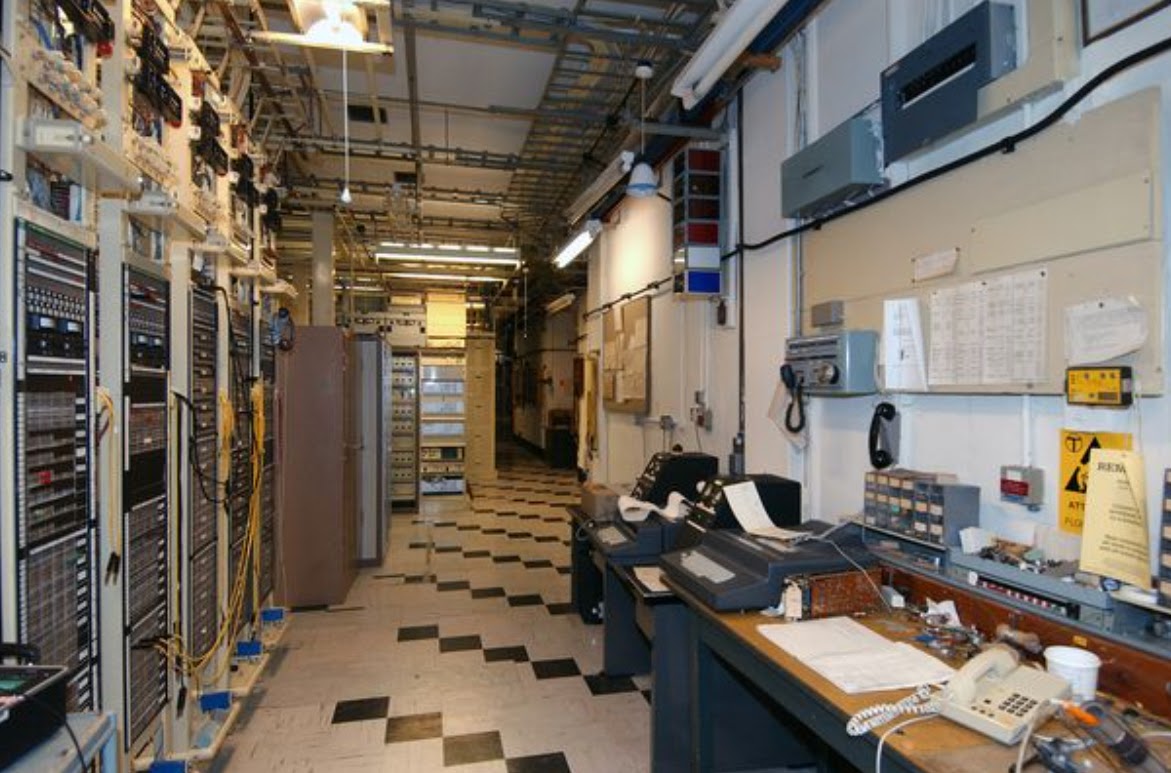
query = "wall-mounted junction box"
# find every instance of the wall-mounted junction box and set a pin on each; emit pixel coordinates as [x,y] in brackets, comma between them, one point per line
[932,91]
[839,165]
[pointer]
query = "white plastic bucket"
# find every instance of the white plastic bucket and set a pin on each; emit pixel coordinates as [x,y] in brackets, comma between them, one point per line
[1078,667]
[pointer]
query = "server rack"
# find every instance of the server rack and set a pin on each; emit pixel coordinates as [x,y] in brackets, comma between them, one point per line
[203,490]
[145,614]
[56,546]
[268,475]
[240,478]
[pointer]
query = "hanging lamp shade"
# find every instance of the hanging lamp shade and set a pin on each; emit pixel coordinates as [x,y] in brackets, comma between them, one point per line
[643,181]
[331,21]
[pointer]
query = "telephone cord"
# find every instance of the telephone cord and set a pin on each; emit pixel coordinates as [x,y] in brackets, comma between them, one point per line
[923,701]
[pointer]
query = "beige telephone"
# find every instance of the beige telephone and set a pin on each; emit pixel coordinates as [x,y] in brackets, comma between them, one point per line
[993,694]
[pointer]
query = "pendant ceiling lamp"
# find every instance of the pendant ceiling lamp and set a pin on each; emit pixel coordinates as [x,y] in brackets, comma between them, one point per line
[643,180]
[345,197]
[333,24]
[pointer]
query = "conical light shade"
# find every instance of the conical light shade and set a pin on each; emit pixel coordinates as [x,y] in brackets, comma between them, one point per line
[643,181]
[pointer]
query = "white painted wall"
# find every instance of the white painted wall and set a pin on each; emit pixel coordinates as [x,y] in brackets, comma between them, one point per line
[848,44]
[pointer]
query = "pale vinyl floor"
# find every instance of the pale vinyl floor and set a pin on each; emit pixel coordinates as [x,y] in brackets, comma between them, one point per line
[459,653]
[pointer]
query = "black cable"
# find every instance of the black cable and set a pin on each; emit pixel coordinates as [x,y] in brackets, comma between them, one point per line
[742,407]
[797,401]
[193,447]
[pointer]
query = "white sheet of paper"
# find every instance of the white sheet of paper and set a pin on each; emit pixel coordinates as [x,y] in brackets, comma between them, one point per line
[636,510]
[676,507]
[941,365]
[745,503]
[934,265]
[651,578]
[633,510]
[1104,329]
[855,658]
[903,358]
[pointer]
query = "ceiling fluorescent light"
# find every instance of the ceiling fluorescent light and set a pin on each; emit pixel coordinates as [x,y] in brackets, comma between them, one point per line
[560,304]
[442,277]
[607,179]
[577,245]
[476,260]
[739,27]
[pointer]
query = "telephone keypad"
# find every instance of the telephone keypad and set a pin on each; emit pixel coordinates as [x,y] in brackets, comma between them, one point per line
[1017,704]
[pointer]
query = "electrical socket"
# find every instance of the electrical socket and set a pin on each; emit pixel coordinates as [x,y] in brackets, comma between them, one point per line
[666,422]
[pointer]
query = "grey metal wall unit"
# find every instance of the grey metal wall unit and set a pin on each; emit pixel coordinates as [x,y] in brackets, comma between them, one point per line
[931,92]
[839,165]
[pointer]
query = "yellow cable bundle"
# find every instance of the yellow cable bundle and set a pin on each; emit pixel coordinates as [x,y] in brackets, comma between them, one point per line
[227,426]
[107,401]
[194,663]
[254,502]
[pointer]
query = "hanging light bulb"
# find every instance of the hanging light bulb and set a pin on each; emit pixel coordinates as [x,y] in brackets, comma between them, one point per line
[643,181]
[345,197]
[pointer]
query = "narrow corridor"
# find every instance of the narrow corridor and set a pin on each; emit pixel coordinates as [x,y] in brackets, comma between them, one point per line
[460,652]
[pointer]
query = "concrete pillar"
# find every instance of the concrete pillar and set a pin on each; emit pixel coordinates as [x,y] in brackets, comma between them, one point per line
[322,308]
[300,279]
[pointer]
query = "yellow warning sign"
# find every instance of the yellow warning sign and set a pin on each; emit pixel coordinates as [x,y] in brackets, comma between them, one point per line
[1076,446]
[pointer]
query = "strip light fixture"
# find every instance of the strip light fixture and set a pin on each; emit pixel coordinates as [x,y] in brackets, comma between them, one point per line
[442,277]
[577,243]
[739,27]
[451,254]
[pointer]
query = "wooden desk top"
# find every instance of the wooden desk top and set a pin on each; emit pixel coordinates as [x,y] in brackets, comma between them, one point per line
[935,745]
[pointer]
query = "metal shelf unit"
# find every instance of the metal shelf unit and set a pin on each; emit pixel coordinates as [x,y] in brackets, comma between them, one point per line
[442,428]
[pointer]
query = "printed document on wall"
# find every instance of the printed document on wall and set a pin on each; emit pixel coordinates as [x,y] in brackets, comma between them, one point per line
[1104,329]
[904,364]
[941,368]
[989,332]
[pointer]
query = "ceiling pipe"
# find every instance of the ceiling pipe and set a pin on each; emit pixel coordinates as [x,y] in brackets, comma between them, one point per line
[659,148]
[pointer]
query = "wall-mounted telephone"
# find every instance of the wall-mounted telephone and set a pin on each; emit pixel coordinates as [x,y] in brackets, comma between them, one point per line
[883,442]
[995,695]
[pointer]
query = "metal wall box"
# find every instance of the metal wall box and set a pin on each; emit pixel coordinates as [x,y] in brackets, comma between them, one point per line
[835,364]
[837,166]
[932,91]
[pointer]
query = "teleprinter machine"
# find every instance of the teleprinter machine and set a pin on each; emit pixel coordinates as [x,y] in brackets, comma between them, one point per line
[646,540]
[730,570]
[664,473]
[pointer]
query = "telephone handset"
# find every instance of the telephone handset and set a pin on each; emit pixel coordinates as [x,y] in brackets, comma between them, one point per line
[993,694]
[882,443]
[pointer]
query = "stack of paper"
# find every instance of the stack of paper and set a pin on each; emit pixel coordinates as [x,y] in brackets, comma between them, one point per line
[855,658]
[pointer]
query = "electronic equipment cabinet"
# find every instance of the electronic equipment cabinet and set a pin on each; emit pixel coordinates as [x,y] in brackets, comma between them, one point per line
[316,529]
[404,429]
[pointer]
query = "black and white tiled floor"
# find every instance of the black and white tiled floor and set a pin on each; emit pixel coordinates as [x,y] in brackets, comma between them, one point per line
[461,653]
